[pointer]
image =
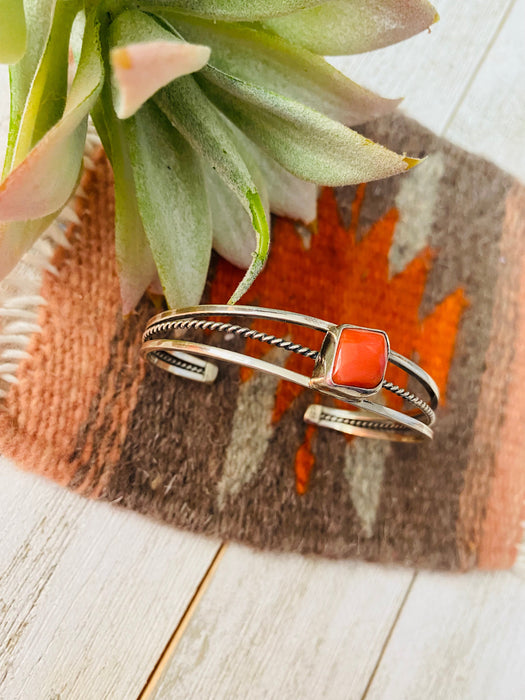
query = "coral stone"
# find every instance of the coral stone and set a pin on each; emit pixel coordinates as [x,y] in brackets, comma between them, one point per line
[360,358]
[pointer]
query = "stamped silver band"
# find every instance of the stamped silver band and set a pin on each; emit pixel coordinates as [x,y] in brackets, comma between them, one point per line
[367,415]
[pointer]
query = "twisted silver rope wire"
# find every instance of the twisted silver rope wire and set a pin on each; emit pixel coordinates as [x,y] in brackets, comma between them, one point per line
[187,324]
[161,328]
[411,398]
[362,423]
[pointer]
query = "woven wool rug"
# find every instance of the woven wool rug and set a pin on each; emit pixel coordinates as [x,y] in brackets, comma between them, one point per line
[435,257]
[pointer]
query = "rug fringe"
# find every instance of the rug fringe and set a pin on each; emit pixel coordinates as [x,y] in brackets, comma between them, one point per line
[20,298]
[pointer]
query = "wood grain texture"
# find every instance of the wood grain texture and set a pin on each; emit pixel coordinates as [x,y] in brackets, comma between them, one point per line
[457,639]
[491,118]
[88,594]
[277,626]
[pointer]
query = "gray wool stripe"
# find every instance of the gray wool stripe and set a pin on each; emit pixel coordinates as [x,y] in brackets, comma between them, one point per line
[416,201]
[252,429]
[364,469]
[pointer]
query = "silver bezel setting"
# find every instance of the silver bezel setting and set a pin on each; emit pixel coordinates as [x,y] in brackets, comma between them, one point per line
[322,373]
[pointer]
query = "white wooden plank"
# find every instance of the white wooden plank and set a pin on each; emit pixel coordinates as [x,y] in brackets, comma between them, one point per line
[457,639]
[89,594]
[432,71]
[491,119]
[278,626]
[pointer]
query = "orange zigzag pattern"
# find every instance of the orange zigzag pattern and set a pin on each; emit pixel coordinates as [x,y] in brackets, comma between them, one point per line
[346,281]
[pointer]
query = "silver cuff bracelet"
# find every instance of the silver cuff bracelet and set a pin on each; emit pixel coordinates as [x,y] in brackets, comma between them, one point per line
[349,365]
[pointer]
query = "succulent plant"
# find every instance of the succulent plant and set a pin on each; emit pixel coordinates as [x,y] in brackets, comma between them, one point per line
[212,113]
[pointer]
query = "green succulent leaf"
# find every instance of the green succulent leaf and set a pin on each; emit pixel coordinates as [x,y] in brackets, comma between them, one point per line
[16,237]
[343,27]
[255,127]
[38,81]
[235,10]
[289,196]
[43,182]
[145,57]
[234,236]
[38,16]
[209,134]
[233,233]
[12,31]
[305,142]
[47,98]
[274,63]
[135,265]
[172,201]
[77,35]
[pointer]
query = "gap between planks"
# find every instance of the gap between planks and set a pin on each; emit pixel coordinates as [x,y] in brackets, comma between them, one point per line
[163,660]
[476,70]
[389,635]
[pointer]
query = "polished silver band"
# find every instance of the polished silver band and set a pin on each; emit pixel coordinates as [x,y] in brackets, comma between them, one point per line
[366,417]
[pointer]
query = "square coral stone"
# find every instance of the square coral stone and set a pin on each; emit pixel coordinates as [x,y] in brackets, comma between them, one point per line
[360,358]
